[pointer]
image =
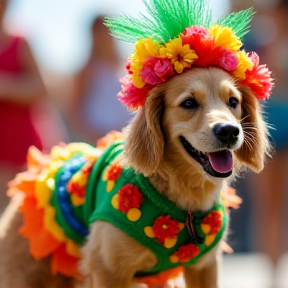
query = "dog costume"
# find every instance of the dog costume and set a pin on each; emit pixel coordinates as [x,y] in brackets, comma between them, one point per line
[79,184]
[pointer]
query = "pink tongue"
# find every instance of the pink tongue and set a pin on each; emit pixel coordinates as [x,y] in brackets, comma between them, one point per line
[221,161]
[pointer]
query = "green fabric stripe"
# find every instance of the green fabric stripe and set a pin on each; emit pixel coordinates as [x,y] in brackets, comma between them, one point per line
[96,173]
[69,232]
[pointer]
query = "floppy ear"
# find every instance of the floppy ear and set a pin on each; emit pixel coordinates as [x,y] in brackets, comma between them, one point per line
[144,138]
[256,144]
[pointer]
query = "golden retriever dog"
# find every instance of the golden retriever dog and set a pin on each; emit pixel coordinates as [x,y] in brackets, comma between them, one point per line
[194,135]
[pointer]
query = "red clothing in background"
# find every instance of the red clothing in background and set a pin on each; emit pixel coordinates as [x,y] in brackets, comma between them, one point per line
[17,131]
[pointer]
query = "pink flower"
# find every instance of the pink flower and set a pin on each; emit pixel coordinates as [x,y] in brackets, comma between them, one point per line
[194,34]
[228,61]
[164,69]
[259,79]
[156,70]
[203,44]
[132,96]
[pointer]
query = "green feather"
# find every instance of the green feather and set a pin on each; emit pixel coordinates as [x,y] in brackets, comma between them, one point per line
[239,22]
[166,19]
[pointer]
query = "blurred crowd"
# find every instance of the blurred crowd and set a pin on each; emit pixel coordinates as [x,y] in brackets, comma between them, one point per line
[42,109]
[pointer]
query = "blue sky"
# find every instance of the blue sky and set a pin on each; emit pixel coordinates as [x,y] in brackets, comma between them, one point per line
[58,29]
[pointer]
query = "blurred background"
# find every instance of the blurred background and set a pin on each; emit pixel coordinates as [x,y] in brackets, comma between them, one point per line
[57,61]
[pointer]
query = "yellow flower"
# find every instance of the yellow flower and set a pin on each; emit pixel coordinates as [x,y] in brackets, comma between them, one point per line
[136,67]
[244,64]
[181,56]
[225,37]
[144,48]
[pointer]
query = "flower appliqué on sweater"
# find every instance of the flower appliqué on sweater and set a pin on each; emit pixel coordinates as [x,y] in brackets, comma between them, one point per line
[128,200]
[211,225]
[165,230]
[111,175]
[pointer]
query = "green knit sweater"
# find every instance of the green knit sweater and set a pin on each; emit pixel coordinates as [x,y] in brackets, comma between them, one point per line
[126,199]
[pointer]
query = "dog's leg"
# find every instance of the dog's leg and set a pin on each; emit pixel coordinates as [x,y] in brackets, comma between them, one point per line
[205,273]
[111,258]
[17,267]
[203,278]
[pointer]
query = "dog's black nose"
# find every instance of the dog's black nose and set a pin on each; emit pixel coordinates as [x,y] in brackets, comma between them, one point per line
[226,133]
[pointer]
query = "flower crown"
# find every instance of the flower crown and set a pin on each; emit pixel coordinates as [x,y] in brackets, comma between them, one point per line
[180,35]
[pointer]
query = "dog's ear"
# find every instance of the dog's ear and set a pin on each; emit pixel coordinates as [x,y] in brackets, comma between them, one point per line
[144,138]
[256,144]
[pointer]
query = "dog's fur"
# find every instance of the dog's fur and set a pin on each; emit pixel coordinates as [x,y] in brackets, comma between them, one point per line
[154,149]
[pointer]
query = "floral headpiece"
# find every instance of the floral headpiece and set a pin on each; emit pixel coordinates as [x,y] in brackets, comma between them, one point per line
[180,35]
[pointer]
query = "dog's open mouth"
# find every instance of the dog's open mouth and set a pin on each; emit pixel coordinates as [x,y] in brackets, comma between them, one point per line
[217,164]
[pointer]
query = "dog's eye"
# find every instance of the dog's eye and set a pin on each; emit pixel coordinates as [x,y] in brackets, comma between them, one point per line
[190,103]
[233,102]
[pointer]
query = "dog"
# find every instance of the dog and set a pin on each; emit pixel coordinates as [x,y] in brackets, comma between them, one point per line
[194,135]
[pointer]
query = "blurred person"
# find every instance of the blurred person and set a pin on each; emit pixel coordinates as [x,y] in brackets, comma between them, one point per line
[95,107]
[21,92]
[267,191]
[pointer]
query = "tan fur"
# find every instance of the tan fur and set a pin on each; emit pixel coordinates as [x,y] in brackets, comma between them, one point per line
[153,148]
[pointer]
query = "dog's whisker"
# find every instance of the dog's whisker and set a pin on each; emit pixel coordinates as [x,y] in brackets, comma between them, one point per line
[244,118]
[248,143]
[250,139]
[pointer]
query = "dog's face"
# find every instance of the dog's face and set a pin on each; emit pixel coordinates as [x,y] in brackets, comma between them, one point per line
[202,119]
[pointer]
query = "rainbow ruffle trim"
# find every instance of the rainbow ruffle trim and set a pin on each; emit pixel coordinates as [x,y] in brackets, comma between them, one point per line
[45,235]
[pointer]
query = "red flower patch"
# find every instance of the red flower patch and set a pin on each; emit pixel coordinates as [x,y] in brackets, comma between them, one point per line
[187,252]
[129,197]
[114,172]
[165,227]
[214,219]
[75,188]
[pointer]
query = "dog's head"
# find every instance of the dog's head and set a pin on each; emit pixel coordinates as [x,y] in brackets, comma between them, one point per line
[200,119]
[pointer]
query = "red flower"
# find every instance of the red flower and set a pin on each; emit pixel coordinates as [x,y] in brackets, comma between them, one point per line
[156,70]
[259,78]
[214,219]
[203,44]
[129,197]
[165,227]
[75,188]
[86,169]
[114,171]
[187,252]
[130,95]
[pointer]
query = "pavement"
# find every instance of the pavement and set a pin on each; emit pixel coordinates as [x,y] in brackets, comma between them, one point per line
[253,270]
